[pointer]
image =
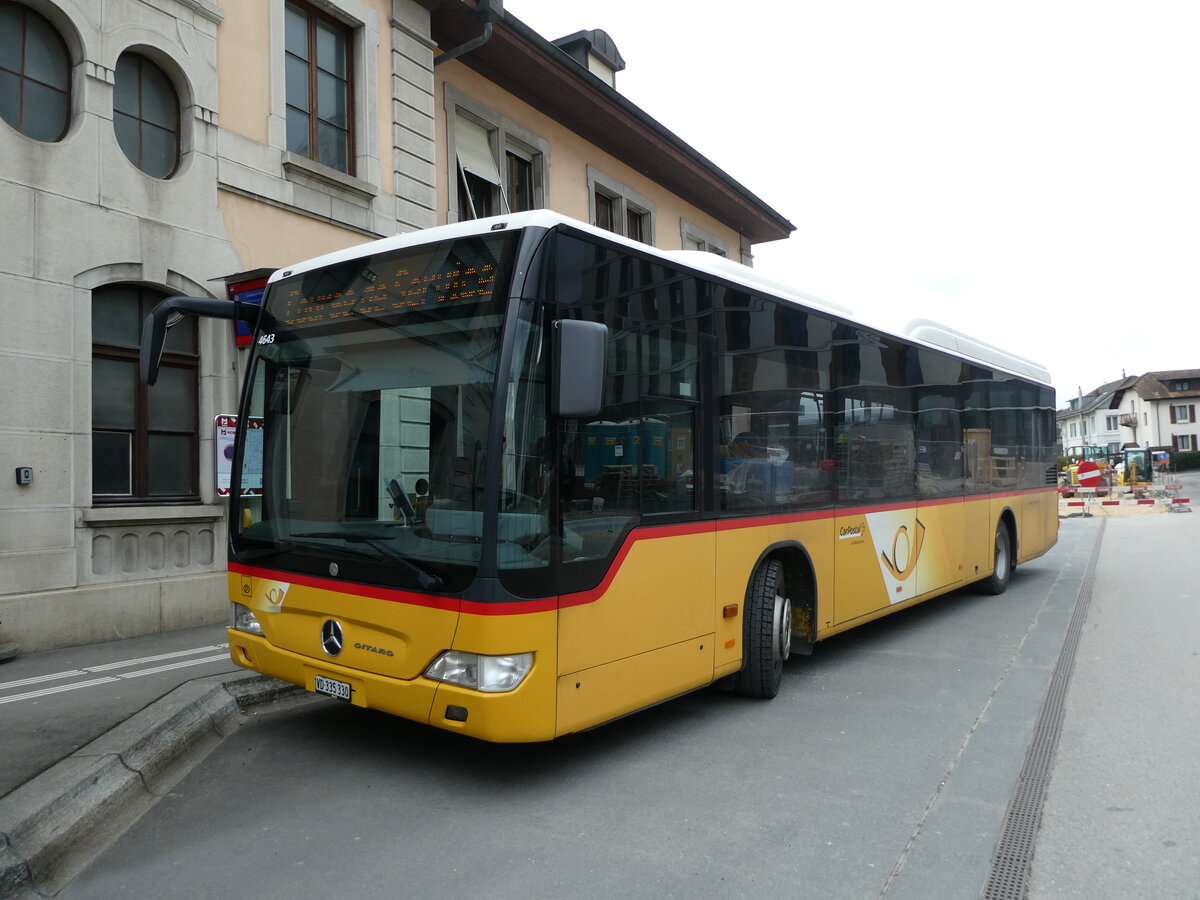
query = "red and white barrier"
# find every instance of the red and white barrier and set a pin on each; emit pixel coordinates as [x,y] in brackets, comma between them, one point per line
[1160,501]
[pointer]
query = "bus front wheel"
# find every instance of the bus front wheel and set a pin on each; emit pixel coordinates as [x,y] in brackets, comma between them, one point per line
[766,632]
[1002,564]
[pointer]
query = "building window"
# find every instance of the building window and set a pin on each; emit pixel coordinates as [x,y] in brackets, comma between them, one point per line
[146,115]
[605,215]
[693,237]
[35,74]
[1184,412]
[614,213]
[1184,441]
[1111,423]
[635,225]
[1074,430]
[498,165]
[319,95]
[479,181]
[144,440]
[617,208]
[520,181]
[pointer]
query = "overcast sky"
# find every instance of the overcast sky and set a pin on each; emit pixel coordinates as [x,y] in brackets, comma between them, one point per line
[1025,172]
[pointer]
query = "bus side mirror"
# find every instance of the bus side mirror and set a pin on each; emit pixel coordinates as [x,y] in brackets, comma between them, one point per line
[577,384]
[171,311]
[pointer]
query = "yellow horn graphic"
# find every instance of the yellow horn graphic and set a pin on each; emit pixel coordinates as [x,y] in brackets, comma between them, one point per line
[914,551]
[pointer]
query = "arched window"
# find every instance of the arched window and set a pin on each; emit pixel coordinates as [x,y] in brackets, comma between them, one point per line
[146,115]
[144,440]
[35,74]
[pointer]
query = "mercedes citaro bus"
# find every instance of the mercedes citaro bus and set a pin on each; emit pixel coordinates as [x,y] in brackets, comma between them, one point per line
[519,476]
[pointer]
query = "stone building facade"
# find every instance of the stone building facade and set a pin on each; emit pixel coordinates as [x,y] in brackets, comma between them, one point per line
[150,148]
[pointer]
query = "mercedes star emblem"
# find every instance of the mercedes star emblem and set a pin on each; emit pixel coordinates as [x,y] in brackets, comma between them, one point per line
[331,637]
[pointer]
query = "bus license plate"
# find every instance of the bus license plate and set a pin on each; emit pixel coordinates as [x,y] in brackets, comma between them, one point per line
[339,690]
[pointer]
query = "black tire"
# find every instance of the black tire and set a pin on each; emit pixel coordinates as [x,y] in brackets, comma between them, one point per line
[1002,566]
[766,632]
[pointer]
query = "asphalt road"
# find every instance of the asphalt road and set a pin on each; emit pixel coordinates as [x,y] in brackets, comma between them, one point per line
[884,768]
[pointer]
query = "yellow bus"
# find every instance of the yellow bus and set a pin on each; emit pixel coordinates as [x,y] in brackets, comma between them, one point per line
[517,477]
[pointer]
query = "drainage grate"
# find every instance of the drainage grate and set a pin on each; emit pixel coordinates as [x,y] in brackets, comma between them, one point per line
[1011,863]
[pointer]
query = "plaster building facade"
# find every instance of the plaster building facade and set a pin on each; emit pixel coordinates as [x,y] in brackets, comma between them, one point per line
[150,148]
[1156,410]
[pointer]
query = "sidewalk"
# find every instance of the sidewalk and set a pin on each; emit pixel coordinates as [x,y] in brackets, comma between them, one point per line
[54,702]
[1120,813]
[91,736]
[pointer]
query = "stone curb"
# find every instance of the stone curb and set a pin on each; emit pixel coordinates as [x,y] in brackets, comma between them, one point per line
[52,826]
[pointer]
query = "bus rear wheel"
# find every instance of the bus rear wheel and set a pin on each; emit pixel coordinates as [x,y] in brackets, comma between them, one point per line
[766,632]
[1002,562]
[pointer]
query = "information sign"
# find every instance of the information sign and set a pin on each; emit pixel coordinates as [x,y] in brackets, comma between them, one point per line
[224,432]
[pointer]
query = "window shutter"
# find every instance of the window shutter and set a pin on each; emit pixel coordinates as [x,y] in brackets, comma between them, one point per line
[1191,412]
[474,151]
[1173,415]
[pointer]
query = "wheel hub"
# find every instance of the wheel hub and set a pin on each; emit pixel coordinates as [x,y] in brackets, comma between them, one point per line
[783,627]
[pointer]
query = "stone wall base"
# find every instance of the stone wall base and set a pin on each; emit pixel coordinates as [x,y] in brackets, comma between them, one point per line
[111,612]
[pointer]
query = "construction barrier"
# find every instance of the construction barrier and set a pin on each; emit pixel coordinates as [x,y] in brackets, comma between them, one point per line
[1096,506]
[1162,501]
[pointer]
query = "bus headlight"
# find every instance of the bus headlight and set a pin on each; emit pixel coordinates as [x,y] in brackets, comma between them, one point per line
[491,674]
[241,618]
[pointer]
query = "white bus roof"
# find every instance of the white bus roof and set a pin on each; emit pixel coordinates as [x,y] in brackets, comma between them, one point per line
[921,331]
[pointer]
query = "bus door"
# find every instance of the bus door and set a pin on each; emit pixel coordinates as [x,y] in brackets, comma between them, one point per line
[638,567]
[940,471]
[878,535]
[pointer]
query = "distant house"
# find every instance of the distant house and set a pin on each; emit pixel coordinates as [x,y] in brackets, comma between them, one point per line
[1155,410]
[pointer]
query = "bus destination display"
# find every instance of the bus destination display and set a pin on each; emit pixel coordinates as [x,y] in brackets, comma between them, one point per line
[384,287]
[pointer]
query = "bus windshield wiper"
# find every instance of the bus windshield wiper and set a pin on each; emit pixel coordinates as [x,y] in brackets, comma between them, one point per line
[425,578]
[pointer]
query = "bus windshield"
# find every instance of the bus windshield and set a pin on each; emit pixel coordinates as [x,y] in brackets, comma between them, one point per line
[367,416]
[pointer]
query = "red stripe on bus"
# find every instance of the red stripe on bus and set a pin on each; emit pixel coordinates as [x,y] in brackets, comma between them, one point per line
[510,607]
[581,598]
[391,595]
[638,534]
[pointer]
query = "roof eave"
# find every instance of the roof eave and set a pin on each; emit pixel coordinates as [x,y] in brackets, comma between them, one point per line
[530,67]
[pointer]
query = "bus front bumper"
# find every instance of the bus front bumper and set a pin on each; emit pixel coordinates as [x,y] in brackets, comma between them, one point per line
[524,714]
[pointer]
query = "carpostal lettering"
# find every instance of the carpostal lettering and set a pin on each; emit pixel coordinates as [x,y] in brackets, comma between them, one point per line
[371,649]
[852,531]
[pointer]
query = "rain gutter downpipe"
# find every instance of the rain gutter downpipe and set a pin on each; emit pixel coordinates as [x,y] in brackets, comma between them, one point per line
[488,12]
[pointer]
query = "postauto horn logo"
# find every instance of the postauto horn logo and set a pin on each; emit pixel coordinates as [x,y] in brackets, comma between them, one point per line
[906,549]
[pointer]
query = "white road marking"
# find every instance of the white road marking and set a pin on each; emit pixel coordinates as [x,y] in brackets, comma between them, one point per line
[109,679]
[105,667]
